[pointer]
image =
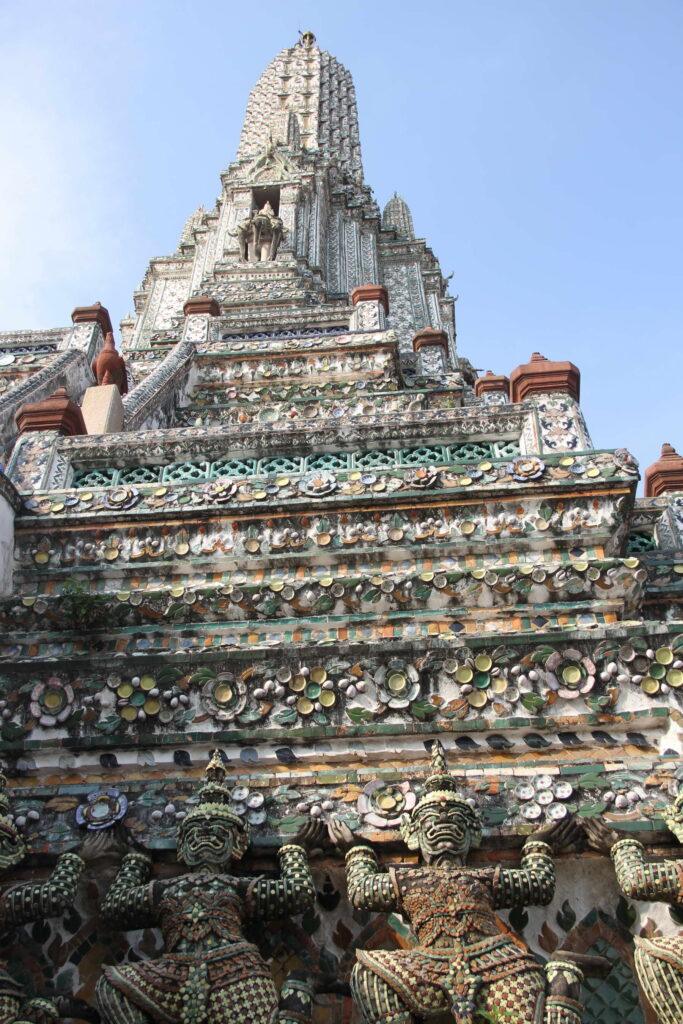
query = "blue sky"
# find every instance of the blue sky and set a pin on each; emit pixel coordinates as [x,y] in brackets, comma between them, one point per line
[538,143]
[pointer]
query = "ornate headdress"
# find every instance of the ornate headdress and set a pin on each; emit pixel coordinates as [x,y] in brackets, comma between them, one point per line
[440,788]
[215,802]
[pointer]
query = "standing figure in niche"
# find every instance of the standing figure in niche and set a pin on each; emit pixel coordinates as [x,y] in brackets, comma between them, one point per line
[464,965]
[209,973]
[658,961]
[261,221]
[29,901]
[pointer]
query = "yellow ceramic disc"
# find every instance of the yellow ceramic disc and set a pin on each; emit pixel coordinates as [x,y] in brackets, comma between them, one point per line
[396,682]
[222,694]
[476,699]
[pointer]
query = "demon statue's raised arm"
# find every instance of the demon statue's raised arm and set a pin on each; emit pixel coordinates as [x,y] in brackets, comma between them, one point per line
[464,963]
[209,972]
[659,960]
[29,901]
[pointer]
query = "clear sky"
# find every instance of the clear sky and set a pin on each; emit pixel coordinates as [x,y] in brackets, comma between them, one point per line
[539,144]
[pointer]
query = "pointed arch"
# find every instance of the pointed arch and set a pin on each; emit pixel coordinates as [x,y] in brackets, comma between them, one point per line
[618,998]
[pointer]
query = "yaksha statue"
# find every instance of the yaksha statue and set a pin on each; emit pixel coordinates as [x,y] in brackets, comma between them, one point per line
[30,901]
[658,961]
[209,973]
[465,965]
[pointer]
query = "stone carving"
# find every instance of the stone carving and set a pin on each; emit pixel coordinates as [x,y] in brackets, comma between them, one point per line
[464,963]
[29,901]
[259,236]
[208,971]
[151,396]
[658,960]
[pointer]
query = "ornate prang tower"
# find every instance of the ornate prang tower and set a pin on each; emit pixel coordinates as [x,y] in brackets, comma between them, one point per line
[321,236]
[290,524]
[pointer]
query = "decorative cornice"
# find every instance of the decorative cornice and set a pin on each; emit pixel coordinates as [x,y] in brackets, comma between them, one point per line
[139,402]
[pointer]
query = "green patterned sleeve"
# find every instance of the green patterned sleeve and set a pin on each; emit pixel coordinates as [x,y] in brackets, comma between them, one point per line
[531,884]
[639,880]
[130,902]
[32,901]
[369,888]
[291,893]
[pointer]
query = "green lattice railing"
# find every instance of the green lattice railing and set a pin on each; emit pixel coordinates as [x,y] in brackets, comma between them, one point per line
[639,541]
[198,472]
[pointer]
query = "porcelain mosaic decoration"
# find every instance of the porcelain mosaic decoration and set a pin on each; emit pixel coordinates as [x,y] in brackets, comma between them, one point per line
[313,597]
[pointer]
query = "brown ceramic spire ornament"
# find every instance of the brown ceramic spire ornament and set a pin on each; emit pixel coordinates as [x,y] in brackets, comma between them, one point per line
[110,363]
[666,474]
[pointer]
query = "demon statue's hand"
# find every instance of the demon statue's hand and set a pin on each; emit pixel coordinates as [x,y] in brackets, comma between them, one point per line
[107,845]
[340,834]
[599,836]
[560,834]
[312,836]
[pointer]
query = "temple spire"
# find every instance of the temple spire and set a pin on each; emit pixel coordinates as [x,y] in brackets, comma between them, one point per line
[397,217]
[305,87]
